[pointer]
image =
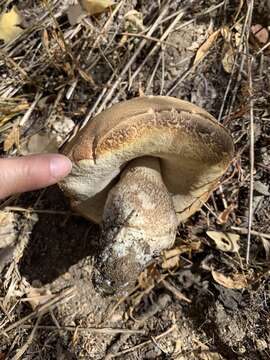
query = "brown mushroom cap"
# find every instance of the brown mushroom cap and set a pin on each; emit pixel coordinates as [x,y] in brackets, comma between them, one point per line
[193,148]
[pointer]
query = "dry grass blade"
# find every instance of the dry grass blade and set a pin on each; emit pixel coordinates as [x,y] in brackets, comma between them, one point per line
[134,57]
[95,330]
[42,211]
[30,339]
[64,296]
[252,232]
[251,189]
[205,47]
[120,353]
[157,46]
[237,68]
[179,296]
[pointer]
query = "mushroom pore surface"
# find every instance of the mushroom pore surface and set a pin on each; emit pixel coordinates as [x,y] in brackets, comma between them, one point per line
[140,168]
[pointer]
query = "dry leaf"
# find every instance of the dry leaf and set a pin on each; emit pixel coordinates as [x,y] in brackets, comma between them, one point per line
[7,229]
[75,13]
[237,35]
[241,3]
[148,277]
[9,25]
[266,245]
[234,281]
[178,346]
[181,249]
[209,355]
[94,7]
[203,352]
[171,263]
[228,50]
[9,109]
[13,138]
[86,77]
[5,119]
[226,34]
[205,47]
[134,21]
[224,216]
[171,257]
[171,253]
[228,58]
[46,143]
[225,241]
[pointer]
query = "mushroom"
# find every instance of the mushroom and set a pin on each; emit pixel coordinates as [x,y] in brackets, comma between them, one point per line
[140,168]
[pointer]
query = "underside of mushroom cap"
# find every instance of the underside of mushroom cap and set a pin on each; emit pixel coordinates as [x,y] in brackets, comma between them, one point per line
[193,148]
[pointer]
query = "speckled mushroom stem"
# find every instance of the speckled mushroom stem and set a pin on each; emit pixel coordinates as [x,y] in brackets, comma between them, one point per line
[139,221]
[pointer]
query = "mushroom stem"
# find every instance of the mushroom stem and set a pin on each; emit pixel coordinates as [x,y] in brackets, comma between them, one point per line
[139,221]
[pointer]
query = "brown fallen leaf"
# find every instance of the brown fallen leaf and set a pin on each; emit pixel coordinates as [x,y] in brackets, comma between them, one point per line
[9,25]
[75,13]
[94,7]
[209,355]
[171,263]
[134,21]
[226,33]
[228,242]
[7,229]
[233,281]
[229,49]
[13,138]
[224,215]
[203,352]
[228,58]
[133,25]
[205,47]
[36,144]
[266,245]
[148,277]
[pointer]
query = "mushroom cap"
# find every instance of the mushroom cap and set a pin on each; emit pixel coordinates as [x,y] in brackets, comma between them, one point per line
[194,151]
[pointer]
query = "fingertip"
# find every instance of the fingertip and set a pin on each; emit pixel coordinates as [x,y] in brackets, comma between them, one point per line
[60,166]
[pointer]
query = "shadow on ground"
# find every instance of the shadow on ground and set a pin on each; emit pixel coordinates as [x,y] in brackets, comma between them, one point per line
[58,241]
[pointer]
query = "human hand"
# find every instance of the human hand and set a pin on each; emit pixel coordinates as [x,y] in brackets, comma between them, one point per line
[31,172]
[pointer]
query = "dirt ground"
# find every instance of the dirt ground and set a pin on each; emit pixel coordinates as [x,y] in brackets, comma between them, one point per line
[207,302]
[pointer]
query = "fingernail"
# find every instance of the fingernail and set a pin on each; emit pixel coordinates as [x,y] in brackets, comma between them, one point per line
[60,166]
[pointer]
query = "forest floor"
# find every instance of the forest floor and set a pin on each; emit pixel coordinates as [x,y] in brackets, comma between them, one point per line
[209,299]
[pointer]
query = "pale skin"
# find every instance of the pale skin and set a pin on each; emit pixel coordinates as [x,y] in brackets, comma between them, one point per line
[31,172]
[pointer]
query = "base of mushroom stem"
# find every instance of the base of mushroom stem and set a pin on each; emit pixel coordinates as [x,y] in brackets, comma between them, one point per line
[116,277]
[139,221]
